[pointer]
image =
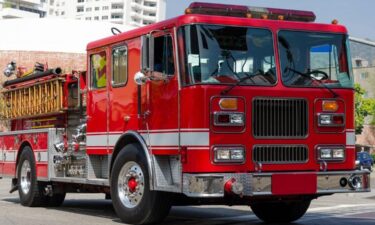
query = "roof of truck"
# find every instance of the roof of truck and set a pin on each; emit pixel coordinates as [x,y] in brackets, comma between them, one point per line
[225,20]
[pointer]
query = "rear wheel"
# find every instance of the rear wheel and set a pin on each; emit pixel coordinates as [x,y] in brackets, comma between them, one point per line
[29,190]
[132,198]
[280,212]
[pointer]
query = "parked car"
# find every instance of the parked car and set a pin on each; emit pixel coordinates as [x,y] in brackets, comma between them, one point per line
[364,160]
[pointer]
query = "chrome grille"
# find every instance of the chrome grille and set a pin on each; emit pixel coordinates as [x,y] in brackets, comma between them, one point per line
[280,154]
[281,118]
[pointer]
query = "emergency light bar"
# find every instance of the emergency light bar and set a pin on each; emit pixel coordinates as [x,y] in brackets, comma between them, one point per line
[250,12]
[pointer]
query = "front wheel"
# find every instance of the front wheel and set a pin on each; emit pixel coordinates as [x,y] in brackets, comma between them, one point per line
[280,212]
[132,198]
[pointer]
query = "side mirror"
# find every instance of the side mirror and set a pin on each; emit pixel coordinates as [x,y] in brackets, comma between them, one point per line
[140,78]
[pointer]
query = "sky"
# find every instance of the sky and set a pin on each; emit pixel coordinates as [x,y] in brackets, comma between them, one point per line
[357,15]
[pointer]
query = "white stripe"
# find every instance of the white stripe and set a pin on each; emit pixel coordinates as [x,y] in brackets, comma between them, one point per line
[112,139]
[41,156]
[10,156]
[350,130]
[350,138]
[96,140]
[161,139]
[1,156]
[195,139]
[156,139]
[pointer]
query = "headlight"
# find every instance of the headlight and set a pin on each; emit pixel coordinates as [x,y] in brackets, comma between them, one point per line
[229,119]
[331,153]
[229,154]
[331,120]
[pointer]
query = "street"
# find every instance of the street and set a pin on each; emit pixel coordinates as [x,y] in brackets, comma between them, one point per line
[92,209]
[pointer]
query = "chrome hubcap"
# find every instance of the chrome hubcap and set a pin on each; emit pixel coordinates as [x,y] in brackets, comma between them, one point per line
[25,179]
[131,184]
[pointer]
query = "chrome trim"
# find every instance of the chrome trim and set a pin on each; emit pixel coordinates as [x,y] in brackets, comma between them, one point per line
[260,184]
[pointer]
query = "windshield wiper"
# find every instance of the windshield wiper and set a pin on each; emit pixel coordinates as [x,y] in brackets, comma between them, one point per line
[248,77]
[308,75]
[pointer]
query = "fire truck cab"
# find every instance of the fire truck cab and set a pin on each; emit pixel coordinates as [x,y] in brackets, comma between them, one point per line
[226,104]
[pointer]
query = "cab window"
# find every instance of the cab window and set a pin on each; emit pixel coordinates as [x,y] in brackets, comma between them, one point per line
[98,64]
[163,55]
[119,66]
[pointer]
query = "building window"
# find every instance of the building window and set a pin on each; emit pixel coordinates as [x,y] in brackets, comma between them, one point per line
[88,9]
[96,8]
[80,9]
[105,7]
[119,66]
[117,6]
[96,18]
[116,16]
[364,75]
[150,4]
[80,1]
[63,13]
[104,17]
[88,18]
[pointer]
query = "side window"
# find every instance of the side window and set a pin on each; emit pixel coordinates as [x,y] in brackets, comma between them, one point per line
[119,66]
[98,63]
[163,55]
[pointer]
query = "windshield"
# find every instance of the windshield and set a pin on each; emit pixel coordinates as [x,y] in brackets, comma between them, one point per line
[314,59]
[226,55]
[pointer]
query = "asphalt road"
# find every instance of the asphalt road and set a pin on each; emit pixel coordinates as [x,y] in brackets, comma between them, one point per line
[92,209]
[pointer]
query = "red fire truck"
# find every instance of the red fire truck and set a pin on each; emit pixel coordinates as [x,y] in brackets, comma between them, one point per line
[226,104]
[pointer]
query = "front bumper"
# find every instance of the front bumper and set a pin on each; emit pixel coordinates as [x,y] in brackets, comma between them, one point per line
[277,184]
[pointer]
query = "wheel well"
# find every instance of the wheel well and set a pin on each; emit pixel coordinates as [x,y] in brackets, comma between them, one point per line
[122,142]
[20,150]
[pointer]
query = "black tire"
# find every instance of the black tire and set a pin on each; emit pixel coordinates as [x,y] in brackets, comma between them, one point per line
[153,206]
[56,200]
[34,196]
[280,212]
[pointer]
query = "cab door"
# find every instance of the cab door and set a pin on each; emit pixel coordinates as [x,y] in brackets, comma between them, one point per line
[123,107]
[97,102]
[163,100]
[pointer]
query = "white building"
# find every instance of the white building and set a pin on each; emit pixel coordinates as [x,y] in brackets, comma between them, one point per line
[10,9]
[127,12]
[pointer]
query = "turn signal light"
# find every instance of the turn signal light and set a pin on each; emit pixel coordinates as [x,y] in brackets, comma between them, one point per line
[330,106]
[228,104]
